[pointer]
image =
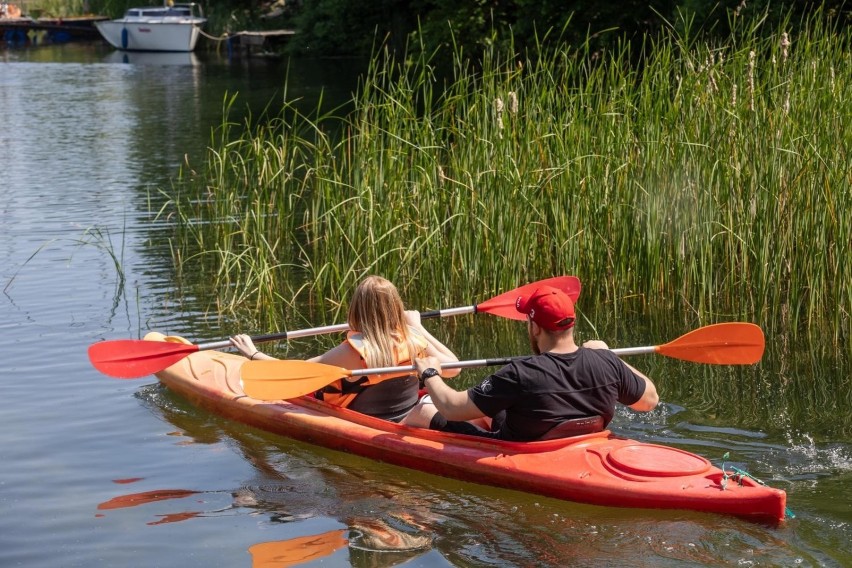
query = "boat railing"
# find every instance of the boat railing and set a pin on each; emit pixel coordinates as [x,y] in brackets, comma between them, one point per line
[191,10]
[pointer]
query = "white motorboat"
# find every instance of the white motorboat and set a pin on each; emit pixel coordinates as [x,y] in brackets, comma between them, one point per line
[173,27]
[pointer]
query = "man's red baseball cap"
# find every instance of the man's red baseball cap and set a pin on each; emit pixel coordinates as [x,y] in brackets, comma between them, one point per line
[549,307]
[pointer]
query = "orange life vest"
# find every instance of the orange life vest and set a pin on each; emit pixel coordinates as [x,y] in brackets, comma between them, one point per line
[342,392]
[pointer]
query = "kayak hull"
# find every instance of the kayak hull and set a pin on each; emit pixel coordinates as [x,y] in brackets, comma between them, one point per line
[599,468]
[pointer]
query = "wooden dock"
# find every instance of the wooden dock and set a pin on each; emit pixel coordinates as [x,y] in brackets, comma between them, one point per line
[23,30]
[258,43]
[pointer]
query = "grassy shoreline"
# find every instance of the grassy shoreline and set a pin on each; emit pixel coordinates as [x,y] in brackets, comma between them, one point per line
[712,182]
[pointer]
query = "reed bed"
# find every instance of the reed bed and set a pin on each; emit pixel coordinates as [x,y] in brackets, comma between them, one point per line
[711,181]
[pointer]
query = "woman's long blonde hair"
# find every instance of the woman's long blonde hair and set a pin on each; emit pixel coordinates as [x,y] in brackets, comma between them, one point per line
[376,310]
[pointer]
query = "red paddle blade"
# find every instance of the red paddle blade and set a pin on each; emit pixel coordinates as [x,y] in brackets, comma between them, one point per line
[133,358]
[734,343]
[504,304]
[280,380]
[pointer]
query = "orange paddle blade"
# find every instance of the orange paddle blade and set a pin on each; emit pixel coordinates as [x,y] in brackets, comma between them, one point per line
[131,358]
[733,343]
[283,379]
[504,304]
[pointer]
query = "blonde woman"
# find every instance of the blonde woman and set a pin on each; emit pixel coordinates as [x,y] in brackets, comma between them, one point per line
[382,334]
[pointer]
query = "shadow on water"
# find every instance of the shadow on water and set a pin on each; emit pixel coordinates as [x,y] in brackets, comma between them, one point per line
[376,509]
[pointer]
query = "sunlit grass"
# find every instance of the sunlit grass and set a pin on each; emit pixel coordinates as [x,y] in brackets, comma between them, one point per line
[712,181]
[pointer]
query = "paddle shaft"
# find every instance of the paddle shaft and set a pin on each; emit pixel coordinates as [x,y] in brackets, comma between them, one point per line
[502,305]
[635,350]
[336,328]
[131,358]
[344,326]
[485,362]
[714,342]
[452,365]
[722,344]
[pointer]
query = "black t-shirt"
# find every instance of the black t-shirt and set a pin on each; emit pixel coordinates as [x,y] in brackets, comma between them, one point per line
[544,390]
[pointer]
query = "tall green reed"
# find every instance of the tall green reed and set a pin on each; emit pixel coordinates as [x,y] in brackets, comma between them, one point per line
[711,180]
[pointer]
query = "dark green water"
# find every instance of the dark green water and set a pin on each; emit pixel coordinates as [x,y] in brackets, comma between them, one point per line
[86,141]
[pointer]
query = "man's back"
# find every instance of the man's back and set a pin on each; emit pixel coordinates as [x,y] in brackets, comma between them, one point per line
[539,392]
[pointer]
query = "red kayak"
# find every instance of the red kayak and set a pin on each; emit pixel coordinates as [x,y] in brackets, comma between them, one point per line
[598,468]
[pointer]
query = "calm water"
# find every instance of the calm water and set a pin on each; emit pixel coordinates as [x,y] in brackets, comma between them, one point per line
[86,140]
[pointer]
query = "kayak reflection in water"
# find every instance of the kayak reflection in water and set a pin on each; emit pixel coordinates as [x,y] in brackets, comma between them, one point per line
[382,334]
[376,525]
[529,398]
[365,537]
[371,542]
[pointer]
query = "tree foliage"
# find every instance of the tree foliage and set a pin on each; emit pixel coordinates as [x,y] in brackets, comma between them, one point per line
[353,27]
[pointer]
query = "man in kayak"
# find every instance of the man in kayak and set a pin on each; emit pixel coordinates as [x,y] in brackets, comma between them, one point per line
[531,396]
[382,334]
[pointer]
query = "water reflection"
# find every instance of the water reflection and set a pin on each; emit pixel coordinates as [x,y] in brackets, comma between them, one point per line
[152,58]
[295,551]
[383,530]
[143,498]
[365,533]
[147,497]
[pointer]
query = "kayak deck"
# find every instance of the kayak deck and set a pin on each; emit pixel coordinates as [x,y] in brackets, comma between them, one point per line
[598,468]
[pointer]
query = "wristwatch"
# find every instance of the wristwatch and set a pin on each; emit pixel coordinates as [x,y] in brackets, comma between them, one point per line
[428,374]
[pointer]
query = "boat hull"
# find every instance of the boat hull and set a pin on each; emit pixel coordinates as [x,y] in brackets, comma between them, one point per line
[150,36]
[599,469]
